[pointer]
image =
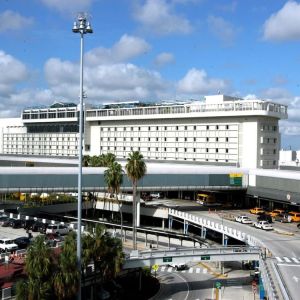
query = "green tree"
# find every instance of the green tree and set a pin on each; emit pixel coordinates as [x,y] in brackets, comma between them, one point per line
[114,178]
[38,265]
[135,169]
[65,279]
[86,160]
[107,159]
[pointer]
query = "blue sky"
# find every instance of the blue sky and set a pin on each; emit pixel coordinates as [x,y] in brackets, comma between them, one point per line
[150,50]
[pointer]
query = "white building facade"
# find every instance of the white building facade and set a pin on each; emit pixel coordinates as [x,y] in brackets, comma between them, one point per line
[221,130]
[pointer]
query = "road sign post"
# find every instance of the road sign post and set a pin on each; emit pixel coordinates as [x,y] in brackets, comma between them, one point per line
[155,268]
[254,288]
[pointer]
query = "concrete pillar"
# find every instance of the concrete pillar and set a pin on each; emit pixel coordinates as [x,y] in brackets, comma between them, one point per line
[138,209]
[170,222]
[169,242]
[203,232]
[163,224]
[157,241]
[271,205]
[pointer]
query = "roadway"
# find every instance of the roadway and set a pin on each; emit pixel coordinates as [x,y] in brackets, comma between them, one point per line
[285,248]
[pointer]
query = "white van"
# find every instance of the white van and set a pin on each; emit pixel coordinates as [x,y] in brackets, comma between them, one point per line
[155,195]
[57,228]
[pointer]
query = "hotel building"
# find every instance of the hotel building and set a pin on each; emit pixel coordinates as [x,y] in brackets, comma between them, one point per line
[220,130]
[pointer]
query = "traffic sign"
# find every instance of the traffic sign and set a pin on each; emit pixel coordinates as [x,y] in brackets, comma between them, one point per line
[218,285]
[167,259]
[205,257]
[155,267]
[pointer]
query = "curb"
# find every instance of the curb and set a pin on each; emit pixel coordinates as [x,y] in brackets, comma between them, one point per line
[284,232]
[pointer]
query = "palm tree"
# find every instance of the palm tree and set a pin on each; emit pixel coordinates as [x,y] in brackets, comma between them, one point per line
[135,169]
[107,159]
[38,265]
[114,178]
[65,280]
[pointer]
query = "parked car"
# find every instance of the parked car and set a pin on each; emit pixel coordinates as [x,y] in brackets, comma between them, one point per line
[276,212]
[243,220]
[28,224]
[7,223]
[256,211]
[264,217]
[283,218]
[38,226]
[295,216]
[265,225]
[58,228]
[52,239]
[23,242]
[16,223]
[3,219]
[7,245]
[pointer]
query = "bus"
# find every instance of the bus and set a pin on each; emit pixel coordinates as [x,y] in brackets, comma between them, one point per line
[206,199]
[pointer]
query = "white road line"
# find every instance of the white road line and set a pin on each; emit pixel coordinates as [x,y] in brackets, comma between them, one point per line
[286,259]
[295,260]
[187,284]
[198,270]
[204,271]
[288,265]
[162,269]
[184,271]
[170,269]
[279,259]
[191,270]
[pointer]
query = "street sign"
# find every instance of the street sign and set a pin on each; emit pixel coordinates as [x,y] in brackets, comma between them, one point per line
[205,257]
[218,285]
[167,259]
[155,267]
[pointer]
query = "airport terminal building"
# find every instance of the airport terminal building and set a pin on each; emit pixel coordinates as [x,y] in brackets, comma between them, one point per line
[220,130]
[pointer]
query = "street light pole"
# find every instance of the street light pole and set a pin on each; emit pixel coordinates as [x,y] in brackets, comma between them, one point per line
[82,26]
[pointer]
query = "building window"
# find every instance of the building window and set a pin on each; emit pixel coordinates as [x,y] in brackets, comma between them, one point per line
[185,149]
[227,126]
[156,149]
[217,139]
[149,128]
[139,128]
[194,149]
[131,128]
[124,128]
[217,127]
[176,149]
[157,139]
[115,128]
[275,141]
[207,139]
[149,139]
[185,139]
[217,150]
[131,148]
[124,148]
[207,150]
[176,127]
[139,139]
[226,150]
[131,139]
[185,127]
[156,127]
[165,149]
[227,139]
[195,139]
[195,127]
[274,162]
[274,151]
[207,127]
[166,128]
[148,148]
[177,139]
[165,139]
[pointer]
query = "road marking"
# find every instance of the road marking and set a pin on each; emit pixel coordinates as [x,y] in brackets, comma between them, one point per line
[191,270]
[198,270]
[204,271]
[278,259]
[295,260]
[296,278]
[183,271]
[288,265]
[286,259]
[187,284]
[163,268]
[170,269]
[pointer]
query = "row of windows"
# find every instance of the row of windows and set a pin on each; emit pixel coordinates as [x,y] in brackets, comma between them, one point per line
[41,153]
[265,127]
[157,128]
[39,147]
[265,140]
[165,149]
[12,138]
[165,139]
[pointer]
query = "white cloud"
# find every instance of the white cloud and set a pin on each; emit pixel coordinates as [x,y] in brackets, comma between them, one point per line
[68,6]
[103,81]
[163,59]
[13,70]
[284,24]
[222,29]
[277,94]
[158,16]
[126,48]
[197,82]
[11,20]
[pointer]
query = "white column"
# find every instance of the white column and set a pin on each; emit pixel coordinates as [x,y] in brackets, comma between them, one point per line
[138,209]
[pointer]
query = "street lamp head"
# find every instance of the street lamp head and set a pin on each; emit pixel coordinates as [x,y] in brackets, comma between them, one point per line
[81,25]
